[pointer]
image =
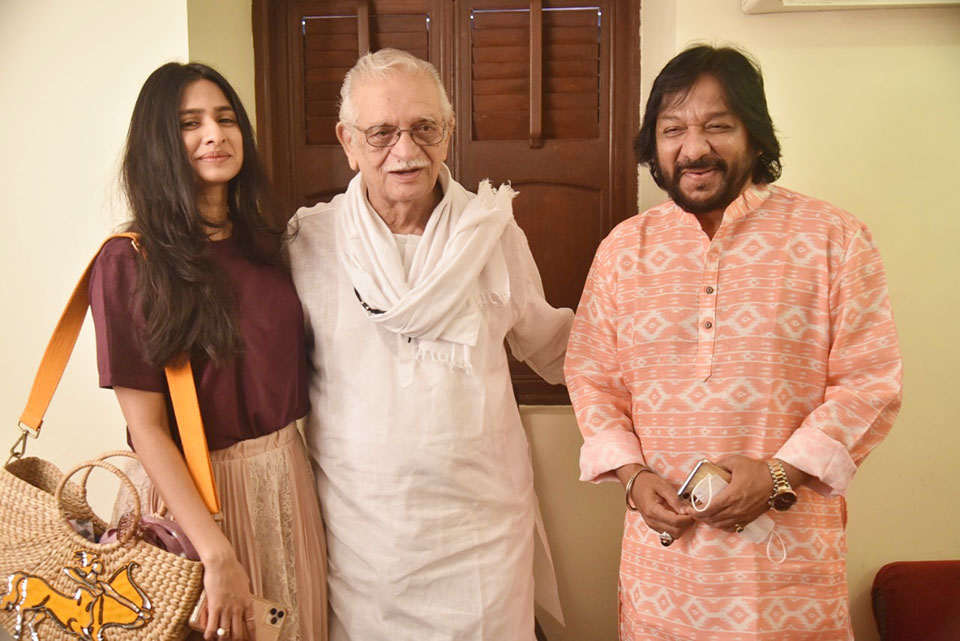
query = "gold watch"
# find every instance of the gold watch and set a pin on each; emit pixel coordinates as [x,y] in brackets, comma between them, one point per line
[783,496]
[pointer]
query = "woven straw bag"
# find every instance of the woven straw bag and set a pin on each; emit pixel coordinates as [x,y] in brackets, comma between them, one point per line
[55,585]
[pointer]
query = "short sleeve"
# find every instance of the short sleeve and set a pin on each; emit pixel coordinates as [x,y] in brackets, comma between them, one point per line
[118,320]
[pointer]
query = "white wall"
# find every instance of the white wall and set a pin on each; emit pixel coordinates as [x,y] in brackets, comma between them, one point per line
[866,106]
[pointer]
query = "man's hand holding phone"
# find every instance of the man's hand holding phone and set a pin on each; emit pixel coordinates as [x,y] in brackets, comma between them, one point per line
[743,500]
[700,472]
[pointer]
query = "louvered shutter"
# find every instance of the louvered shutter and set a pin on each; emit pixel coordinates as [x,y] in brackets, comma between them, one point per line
[500,69]
[329,50]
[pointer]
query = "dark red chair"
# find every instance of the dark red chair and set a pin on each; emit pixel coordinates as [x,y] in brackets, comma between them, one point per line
[917,601]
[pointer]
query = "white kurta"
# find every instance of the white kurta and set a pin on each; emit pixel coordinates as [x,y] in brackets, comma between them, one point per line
[423,472]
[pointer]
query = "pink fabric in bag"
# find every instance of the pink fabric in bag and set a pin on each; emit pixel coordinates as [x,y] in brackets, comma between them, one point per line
[163,533]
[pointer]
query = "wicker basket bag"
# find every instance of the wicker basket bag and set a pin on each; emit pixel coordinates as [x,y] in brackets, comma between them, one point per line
[62,586]
[55,584]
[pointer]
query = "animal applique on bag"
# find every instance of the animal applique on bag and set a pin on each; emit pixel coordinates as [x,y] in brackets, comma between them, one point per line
[95,604]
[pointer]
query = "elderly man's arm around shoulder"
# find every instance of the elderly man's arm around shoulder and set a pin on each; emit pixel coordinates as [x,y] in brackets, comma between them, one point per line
[539,332]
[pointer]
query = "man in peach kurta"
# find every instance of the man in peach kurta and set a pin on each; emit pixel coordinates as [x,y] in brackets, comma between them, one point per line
[743,323]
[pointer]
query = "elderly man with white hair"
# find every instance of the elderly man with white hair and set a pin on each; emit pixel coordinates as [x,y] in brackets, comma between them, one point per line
[410,284]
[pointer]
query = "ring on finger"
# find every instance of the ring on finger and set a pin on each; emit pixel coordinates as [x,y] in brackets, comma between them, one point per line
[738,528]
[222,632]
[666,538]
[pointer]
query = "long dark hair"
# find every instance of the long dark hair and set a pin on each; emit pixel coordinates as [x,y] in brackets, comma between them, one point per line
[742,82]
[186,302]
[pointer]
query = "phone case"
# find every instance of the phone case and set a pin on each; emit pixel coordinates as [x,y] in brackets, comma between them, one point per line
[701,470]
[268,616]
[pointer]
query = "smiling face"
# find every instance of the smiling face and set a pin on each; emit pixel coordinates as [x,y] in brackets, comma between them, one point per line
[703,151]
[211,134]
[400,178]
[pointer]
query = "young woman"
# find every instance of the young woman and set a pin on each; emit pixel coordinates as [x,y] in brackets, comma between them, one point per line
[207,281]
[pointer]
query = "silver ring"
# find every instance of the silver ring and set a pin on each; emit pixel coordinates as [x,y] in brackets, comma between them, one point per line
[222,632]
[666,538]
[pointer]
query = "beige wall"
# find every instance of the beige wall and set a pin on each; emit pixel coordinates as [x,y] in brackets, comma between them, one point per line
[221,36]
[69,76]
[865,103]
[584,523]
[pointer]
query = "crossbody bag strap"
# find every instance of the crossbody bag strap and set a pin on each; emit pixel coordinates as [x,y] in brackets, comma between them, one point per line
[183,391]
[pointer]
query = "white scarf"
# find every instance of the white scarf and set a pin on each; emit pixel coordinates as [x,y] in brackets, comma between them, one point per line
[457,268]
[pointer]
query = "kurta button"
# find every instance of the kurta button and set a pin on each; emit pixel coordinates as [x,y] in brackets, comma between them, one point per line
[708,289]
[708,324]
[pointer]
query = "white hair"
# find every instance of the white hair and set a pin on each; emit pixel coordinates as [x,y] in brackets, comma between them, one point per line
[373,66]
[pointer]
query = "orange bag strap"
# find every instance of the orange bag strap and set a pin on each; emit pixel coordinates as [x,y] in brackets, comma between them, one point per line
[183,391]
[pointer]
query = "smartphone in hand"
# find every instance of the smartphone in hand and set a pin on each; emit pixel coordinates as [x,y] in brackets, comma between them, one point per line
[268,616]
[701,470]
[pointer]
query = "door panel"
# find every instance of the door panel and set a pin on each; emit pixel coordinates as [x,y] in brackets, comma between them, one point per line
[574,210]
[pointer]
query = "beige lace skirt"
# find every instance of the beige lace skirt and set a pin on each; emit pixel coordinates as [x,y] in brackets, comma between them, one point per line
[271,515]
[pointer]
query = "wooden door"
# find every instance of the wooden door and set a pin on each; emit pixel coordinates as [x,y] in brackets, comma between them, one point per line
[546,95]
[535,96]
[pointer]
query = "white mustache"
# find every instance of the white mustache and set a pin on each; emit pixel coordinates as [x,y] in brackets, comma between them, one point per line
[406,165]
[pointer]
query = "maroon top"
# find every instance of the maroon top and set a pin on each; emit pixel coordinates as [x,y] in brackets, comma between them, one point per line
[258,392]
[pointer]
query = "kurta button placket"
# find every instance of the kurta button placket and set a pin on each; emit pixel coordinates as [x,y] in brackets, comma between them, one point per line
[707,311]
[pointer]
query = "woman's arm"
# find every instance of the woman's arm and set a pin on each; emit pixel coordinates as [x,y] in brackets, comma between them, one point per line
[229,602]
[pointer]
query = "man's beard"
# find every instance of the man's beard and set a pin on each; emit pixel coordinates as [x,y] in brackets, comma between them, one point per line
[732,184]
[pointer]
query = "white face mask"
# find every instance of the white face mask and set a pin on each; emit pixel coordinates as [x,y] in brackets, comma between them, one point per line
[758,530]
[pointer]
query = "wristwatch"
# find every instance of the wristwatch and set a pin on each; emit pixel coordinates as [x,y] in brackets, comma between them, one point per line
[783,497]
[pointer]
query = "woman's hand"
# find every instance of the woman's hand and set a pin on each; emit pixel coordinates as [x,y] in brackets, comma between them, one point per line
[229,602]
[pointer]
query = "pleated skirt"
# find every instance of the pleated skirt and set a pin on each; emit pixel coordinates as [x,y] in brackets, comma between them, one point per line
[271,515]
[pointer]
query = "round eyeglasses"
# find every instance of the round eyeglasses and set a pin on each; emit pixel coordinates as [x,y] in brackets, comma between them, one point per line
[425,133]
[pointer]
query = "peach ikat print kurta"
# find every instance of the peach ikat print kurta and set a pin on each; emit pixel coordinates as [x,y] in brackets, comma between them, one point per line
[773,339]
